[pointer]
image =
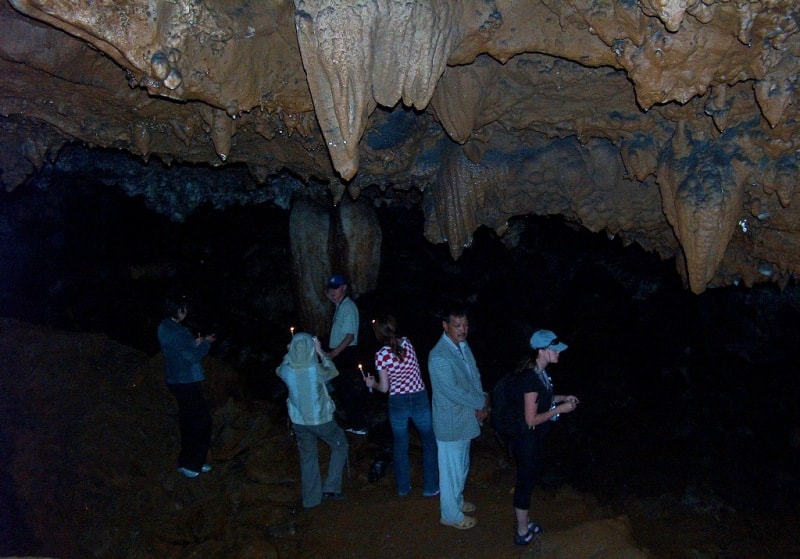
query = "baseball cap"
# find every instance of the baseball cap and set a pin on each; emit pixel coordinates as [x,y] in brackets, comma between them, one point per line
[335,281]
[546,339]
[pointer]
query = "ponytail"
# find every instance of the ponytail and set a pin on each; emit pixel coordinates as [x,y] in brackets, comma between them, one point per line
[385,328]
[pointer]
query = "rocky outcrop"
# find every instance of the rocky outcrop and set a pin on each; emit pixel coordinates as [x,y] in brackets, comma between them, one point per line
[669,123]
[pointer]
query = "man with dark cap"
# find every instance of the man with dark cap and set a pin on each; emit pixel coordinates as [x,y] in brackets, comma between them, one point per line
[343,342]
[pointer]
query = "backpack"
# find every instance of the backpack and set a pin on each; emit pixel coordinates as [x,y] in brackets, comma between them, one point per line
[507,410]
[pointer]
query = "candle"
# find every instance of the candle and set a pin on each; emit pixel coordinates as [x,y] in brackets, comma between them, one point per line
[291,330]
[363,376]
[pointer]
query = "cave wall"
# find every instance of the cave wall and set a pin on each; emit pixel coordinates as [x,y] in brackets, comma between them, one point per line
[669,123]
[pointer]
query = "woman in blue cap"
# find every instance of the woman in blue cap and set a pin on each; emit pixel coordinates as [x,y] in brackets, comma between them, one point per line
[540,407]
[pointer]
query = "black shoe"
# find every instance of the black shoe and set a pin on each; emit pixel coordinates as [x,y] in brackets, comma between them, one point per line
[534,529]
[330,496]
[523,540]
[378,469]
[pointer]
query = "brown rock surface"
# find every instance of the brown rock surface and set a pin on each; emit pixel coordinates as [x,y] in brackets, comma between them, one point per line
[90,435]
[671,123]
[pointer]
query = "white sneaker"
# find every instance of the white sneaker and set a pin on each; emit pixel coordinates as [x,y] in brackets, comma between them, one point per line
[188,473]
[205,469]
[357,430]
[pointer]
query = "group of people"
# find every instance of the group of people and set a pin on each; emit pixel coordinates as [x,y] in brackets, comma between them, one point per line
[446,422]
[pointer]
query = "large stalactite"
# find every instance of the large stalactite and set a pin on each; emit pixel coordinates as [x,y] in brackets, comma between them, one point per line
[669,123]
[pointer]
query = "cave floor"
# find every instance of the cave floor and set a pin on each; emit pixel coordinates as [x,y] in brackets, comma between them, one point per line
[89,435]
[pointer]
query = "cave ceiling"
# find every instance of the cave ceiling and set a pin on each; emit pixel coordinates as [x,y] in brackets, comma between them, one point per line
[672,124]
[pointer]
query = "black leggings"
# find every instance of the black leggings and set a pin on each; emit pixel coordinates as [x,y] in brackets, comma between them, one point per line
[528,449]
[195,424]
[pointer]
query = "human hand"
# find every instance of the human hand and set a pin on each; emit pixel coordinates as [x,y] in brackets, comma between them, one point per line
[567,406]
[211,338]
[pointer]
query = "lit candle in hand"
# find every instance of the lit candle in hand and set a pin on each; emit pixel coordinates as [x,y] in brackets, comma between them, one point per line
[291,330]
[363,376]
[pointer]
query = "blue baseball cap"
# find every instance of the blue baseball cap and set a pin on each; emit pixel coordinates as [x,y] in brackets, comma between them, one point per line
[546,339]
[336,280]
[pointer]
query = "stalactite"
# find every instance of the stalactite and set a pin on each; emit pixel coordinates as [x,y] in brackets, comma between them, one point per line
[142,138]
[222,128]
[359,54]
[703,196]
[774,96]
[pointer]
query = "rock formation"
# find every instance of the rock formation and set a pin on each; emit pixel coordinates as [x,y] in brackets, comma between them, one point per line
[343,239]
[669,123]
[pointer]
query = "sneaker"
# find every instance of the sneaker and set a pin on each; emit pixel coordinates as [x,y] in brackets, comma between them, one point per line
[205,469]
[357,430]
[332,496]
[433,494]
[188,473]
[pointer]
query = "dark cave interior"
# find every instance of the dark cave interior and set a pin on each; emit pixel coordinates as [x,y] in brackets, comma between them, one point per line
[682,394]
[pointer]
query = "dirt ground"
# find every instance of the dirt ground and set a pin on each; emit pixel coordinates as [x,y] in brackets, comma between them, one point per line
[88,443]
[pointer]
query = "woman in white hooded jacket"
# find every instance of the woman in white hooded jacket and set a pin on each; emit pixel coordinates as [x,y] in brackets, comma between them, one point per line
[305,370]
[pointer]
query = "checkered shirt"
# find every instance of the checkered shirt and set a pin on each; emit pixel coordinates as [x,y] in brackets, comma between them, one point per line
[404,377]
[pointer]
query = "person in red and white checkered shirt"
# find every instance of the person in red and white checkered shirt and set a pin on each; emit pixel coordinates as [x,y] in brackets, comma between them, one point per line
[399,375]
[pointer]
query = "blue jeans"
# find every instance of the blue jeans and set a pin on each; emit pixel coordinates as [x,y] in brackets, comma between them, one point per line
[416,407]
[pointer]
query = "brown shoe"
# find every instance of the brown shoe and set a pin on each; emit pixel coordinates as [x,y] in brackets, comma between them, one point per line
[467,507]
[464,524]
